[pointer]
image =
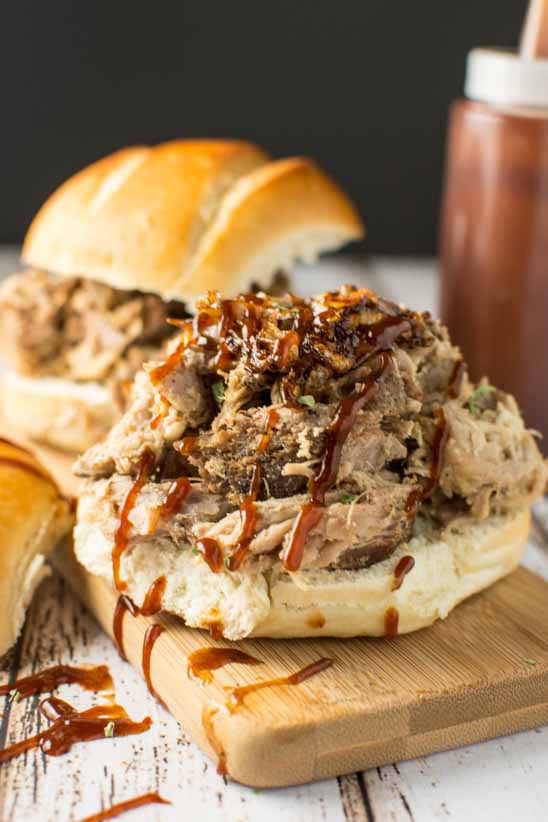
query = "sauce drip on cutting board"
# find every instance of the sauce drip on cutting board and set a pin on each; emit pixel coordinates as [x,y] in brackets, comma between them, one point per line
[152,634]
[205,660]
[236,695]
[152,604]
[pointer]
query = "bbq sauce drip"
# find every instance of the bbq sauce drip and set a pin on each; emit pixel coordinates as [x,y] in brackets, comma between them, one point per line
[121,538]
[211,552]
[153,633]
[123,605]
[455,381]
[271,422]
[70,726]
[205,660]
[207,723]
[404,566]
[163,370]
[391,621]
[236,695]
[97,678]
[336,435]
[441,436]
[127,805]
[249,516]
[152,604]
[216,629]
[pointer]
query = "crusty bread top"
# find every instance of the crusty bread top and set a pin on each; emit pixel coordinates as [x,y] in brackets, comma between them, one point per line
[189,215]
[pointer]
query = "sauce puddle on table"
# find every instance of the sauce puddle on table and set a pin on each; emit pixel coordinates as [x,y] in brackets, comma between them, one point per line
[127,805]
[68,724]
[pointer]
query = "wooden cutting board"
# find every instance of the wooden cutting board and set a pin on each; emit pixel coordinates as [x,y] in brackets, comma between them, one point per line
[480,674]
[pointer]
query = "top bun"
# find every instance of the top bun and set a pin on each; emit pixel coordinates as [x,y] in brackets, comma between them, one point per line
[189,215]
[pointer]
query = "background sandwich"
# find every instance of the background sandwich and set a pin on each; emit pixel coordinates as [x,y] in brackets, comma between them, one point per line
[129,242]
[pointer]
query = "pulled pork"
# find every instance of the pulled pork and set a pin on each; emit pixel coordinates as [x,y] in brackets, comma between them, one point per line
[80,329]
[314,433]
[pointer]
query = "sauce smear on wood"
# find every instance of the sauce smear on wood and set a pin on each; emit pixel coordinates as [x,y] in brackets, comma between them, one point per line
[127,805]
[205,660]
[236,695]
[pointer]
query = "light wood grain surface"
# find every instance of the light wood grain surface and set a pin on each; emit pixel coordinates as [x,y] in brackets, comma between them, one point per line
[502,780]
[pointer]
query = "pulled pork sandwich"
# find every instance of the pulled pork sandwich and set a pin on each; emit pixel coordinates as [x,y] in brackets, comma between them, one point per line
[303,467]
[131,241]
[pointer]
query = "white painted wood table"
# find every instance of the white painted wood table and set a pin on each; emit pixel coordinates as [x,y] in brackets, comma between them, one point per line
[502,780]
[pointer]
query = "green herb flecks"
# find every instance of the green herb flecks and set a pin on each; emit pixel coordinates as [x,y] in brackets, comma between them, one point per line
[531,662]
[194,550]
[478,395]
[109,729]
[308,400]
[347,499]
[218,389]
[14,695]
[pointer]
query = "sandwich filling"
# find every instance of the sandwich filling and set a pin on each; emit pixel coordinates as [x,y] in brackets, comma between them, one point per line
[81,330]
[285,435]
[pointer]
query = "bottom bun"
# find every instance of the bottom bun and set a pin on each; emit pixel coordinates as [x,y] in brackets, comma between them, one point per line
[68,415]
[340,603]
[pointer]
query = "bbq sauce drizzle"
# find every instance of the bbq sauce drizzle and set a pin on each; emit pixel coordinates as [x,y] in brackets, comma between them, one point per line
[121,538]
[237,695]
[96,678]
[336,434]
[404,566]
[152,634]
[127,805]
[441,435]
[152,604]
[203,661]
[70,726]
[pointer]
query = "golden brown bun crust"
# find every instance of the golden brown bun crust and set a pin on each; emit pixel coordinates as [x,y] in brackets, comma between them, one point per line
[59,412]
[282,212]
[139,218]
[33,517]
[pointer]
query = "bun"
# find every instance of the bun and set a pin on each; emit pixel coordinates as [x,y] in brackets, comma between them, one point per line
[187,216]
[68,415]
[33,517]
[282,212]
[340,603]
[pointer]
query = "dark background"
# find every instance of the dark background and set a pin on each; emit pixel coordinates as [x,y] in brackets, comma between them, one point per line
[361,85]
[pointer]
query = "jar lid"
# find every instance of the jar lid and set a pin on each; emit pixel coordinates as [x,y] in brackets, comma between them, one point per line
[506,78]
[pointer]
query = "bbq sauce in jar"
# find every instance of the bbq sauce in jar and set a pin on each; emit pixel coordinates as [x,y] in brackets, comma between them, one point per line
[494,227]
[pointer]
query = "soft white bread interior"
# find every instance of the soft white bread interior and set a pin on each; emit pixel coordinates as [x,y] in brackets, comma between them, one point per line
[68,415]
[33,517]
[187,216]
[339,603]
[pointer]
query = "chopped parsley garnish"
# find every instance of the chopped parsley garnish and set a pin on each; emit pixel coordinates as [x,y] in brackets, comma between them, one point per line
[218,389]
[346,499]
[530,661]
[478,394]
[308,399]
[194,550]
[14,695]
[109,729]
